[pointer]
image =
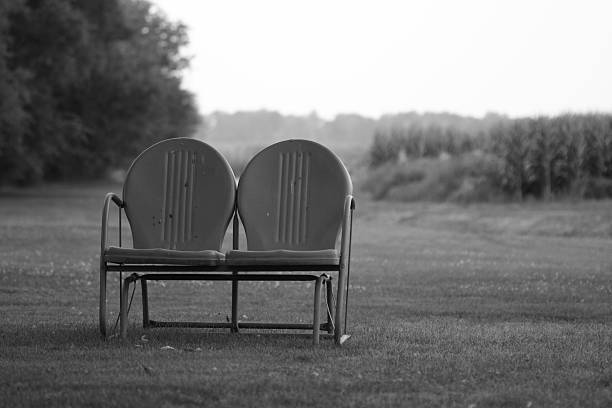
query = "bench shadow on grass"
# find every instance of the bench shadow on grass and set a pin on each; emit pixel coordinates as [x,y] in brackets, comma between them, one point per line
[86,335]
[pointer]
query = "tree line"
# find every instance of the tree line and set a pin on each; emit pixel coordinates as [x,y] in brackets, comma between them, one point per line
[85,85]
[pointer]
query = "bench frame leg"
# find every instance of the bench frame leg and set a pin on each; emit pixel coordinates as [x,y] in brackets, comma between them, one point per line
[316,321]
[102,310]
[145,303]
[234,328]
[123,312]
[329,299]
[234,325]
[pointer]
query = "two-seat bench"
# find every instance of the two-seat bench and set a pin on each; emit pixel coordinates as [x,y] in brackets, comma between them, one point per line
[294,199]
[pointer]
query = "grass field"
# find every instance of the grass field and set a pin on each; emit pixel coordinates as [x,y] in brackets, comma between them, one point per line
[485,305]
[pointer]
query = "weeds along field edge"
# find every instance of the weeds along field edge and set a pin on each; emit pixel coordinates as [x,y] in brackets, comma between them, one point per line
[542,157]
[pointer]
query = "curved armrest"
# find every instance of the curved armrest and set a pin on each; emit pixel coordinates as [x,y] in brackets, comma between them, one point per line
[107,200]
[347,226]
[345,263]
[115,199]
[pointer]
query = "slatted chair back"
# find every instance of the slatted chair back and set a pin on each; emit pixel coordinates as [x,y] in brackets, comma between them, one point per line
[291,196]
[179,194]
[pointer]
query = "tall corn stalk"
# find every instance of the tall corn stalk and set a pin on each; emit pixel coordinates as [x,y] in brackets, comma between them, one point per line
[511,144]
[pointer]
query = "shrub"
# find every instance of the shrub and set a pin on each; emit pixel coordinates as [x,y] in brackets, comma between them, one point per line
[384,149]
[462,178]
[380,180]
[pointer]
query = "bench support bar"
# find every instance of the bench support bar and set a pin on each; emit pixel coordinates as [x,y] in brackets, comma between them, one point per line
[234,325]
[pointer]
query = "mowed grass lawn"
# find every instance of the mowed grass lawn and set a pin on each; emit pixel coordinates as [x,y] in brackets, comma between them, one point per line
[485,305]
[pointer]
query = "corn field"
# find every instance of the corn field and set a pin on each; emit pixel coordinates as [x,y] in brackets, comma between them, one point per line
[543,157]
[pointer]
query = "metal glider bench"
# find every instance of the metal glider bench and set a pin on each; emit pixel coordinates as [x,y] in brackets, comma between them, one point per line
[179,196]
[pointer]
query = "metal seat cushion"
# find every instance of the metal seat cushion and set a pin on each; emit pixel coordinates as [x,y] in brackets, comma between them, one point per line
[160,256]
[283,257]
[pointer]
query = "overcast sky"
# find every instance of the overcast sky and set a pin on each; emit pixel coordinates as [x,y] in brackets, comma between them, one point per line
[374,57]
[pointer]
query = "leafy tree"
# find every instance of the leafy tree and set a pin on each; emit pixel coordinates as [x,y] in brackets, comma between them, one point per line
[13,95]
[89,84]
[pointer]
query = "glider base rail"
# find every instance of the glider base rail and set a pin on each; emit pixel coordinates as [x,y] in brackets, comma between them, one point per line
[234,325]
[241,325]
